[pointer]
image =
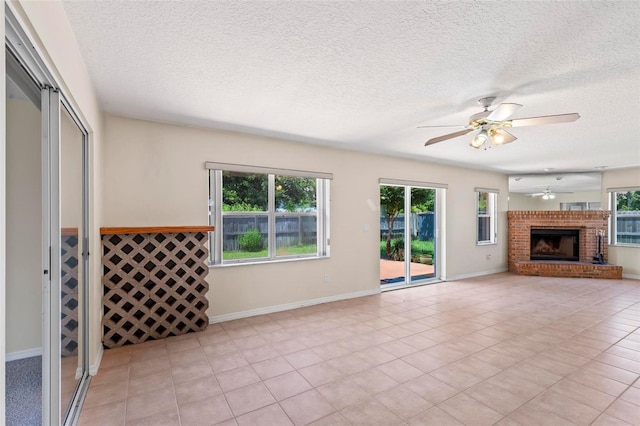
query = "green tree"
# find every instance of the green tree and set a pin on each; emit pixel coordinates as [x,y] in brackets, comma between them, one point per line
[628,201]
[244,192]
[482,202]
[295,194]
[392,204]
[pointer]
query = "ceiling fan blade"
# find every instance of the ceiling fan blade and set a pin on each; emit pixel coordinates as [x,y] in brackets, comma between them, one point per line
[539,194]
[501,137]
[545,119]
[449,136]
[502,112]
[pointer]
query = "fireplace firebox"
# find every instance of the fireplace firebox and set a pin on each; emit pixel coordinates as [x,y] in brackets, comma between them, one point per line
[555,244]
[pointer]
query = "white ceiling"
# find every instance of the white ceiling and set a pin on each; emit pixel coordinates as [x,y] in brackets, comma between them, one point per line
[364,75]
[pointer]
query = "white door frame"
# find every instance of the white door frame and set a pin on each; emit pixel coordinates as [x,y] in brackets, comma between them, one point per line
[51,298]
[439,231]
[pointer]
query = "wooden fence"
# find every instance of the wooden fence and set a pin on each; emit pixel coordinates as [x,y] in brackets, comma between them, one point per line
[422,226]
[292,229]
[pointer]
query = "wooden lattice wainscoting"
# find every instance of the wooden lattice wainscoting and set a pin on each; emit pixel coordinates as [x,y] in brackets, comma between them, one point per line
[154,283]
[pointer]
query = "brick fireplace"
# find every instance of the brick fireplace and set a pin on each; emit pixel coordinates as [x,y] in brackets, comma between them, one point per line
[583,224]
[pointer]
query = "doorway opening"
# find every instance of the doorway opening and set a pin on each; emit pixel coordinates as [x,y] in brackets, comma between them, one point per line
[408,235]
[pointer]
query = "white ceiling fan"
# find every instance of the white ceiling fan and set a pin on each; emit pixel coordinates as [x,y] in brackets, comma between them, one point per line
[492,124]
[547,194]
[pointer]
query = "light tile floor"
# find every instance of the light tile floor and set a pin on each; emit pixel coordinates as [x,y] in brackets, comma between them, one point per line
[502,349]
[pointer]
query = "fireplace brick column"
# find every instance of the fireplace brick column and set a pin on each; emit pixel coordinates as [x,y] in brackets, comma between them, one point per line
[587,222]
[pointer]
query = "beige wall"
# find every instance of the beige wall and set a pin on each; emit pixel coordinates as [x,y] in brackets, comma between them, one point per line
[55,41]
[24,227]
[154,175]
[524,202]
[627,257]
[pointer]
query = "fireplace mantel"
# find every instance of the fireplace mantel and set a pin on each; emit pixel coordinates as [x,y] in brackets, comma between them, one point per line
[588,222]
[561,215]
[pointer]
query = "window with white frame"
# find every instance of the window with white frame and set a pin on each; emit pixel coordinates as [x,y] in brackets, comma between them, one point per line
[486,204]
[263,214]
[624,222]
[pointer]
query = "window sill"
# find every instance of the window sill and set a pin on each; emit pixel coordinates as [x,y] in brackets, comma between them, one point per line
[625,245]
[266,262]
[486,243]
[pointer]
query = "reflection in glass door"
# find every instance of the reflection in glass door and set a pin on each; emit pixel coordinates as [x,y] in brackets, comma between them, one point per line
[65,375]
[72,254]
[408,229]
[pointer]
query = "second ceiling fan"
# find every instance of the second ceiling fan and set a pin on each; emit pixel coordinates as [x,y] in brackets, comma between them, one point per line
[492,124]
[548,194]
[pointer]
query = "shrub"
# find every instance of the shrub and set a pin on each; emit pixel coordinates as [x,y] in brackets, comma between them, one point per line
[251,241]
[418,248]
[397,249]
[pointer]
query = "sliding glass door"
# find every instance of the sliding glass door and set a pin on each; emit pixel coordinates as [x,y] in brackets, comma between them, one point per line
[60,253]
[408,231]
[65,145]
[72,230]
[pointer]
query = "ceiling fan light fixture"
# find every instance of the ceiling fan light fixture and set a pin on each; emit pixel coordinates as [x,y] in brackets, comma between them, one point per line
[501,137]
[497,138]
[479,139]
[545,197]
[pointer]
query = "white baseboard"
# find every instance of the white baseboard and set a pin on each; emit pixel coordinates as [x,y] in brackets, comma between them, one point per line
[27,353]
[631,276]
[476,274]
[93,368]
[288,306]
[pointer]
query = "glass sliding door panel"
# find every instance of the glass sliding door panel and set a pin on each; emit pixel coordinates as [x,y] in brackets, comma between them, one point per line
[392,231]
[24,304]
[422,229]
[72,274]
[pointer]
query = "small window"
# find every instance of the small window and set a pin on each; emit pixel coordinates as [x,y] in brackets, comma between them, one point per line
[625,217]
[486,202]
[263,214]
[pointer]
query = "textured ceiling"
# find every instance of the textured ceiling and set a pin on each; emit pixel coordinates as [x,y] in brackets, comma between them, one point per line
[364,75]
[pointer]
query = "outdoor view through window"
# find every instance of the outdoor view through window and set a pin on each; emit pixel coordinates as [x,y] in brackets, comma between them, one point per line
[265,216]
[626,217]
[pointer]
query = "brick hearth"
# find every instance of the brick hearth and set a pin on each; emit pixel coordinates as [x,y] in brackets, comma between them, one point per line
[587,222]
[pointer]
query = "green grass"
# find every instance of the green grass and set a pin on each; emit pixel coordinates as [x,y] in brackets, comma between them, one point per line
[233,255]
[421,247]
[295,250]
[281,251]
